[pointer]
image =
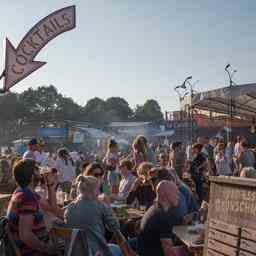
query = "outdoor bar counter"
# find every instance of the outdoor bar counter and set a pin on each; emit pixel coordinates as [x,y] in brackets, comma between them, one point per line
[231,228]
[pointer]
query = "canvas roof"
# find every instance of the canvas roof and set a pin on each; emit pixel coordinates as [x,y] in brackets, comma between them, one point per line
[243,96]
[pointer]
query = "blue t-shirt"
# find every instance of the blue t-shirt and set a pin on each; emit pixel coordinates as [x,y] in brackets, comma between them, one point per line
[187,204]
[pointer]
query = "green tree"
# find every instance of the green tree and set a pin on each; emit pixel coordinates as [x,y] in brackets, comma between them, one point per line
[11,113]
[68,109]
[118,109]
[41,103]
[94,111]
[45,103]
[149,112]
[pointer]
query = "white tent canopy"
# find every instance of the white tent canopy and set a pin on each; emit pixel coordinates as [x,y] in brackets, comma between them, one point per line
[165,133]
[243,97]
[95,133]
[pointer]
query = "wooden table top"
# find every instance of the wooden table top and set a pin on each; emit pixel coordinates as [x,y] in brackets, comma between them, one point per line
[187,238]
[130,214]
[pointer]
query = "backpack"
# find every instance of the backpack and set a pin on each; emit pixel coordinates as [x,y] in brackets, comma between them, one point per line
[6,245]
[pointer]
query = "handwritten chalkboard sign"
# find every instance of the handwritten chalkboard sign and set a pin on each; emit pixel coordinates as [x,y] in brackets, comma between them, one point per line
[232,217]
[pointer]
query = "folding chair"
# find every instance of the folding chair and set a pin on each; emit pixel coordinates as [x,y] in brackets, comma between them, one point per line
[75,240]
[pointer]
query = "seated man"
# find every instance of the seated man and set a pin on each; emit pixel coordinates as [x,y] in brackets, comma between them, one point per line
[186,207]
[89,214]
[25,216]
[155,237]
[187,203]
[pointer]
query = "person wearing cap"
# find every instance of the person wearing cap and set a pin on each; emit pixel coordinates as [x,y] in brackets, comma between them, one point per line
[32,148]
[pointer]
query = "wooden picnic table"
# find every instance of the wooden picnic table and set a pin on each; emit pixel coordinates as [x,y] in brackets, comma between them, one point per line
[130,222]
[189,239]
[135,213]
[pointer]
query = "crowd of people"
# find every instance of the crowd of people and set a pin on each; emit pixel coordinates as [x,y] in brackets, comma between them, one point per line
[169,183]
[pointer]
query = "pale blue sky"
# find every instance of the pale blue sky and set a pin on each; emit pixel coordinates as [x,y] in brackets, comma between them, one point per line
[138,49]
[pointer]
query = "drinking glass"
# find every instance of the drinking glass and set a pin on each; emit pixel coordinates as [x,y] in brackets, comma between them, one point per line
[195,218]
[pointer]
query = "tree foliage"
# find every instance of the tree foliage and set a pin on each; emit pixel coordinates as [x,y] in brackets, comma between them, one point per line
[150,111]
[45,104]
[94,111]
[118,109]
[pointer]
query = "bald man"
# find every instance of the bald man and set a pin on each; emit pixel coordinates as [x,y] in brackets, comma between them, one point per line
[155,237]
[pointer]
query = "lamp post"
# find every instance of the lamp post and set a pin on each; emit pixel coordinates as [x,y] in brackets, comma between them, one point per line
[187,88]
[181,97]
[230,111]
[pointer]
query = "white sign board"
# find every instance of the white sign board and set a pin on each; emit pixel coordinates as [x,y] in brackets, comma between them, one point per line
[19,62]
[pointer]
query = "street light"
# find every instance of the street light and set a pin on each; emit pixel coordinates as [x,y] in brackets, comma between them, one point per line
[187,88]
[231,72]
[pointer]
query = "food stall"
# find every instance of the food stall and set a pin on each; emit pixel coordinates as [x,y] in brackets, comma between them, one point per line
[231,226]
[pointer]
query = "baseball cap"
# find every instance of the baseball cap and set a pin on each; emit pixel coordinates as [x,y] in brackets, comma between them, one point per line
[33,142]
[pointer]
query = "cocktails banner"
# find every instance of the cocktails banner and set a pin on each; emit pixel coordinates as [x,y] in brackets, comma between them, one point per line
[20,62]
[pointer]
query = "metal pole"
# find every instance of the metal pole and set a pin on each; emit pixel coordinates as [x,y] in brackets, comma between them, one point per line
[230,104]
[231,112]
[230,108]
[189,111]
[180,119]
[192,116]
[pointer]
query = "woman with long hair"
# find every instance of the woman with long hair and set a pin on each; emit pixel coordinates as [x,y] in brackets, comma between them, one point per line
[66,169]
[142,188]
[111,162]
[139,148]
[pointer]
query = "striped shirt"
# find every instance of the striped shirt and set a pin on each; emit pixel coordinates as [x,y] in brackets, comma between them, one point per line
[26,202]
[222,165]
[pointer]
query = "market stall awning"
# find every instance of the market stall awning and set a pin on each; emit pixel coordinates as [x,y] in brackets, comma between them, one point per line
[243,97]
[167,133]
[94,133]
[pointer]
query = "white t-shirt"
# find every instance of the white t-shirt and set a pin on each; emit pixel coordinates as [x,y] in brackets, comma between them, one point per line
[189,153]
[237,149]
[29,155]
[41,158]
[66,171]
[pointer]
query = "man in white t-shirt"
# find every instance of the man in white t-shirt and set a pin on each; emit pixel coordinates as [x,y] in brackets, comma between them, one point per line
[32,148]
[40,155]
